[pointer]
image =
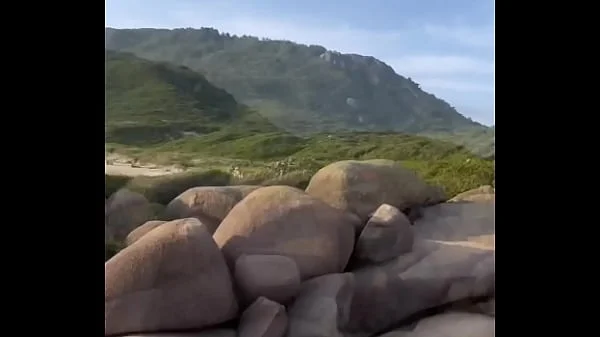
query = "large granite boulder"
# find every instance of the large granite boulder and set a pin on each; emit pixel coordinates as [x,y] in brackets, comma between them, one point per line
[362,186]
[172,278]
[210,204]
[282,220]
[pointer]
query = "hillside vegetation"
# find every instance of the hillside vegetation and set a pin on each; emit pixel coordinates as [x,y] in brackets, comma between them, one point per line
[256,157]
[164,114]
[300,88]
[480,142]
[150,102]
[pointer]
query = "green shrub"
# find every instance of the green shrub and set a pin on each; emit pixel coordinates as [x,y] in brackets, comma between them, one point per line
[114,183]
[253,178]
[455,176]
[163,189]
[298,179]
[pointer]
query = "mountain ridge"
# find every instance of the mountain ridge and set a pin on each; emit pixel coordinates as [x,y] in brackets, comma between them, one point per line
[163,114]
[301,88]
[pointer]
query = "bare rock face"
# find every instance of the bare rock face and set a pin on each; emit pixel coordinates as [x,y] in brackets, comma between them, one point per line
[264,318]
[172,278]
[322,308]
[469,224]
[362,186]
[282,220]
[209,204]
[204,333]
[485,306]
[266,249]
[482,194]
[488,307]
[274,277]
[142,230]
[452,260]
[388,234]
[124,211]
[432,275]
[449,325]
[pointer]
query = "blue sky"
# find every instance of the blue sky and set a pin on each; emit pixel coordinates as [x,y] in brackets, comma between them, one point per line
[446,46]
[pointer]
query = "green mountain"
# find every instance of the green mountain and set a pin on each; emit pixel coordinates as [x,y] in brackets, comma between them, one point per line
[149,102]
[166,114]
[297,87]
[163,108]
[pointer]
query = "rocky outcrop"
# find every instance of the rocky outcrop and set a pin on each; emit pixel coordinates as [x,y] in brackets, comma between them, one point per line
[264,318]
[124,211]
[339,260]
[387,234]
[210,204]
[205,333]
[361,187]
[449,325]
[142,230]
[172,278]
[452,259]
[484,193]
[431,275]
[282,220]
[274,277]
[322,308]
[467,224]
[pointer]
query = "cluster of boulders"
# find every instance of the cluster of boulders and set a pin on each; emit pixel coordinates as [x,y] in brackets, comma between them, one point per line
[340,259]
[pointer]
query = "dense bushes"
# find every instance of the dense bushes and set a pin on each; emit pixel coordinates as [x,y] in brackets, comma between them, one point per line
[456,175]
[321,148]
